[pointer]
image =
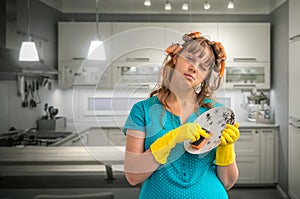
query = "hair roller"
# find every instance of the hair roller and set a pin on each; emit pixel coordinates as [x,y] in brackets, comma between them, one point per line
[174,49]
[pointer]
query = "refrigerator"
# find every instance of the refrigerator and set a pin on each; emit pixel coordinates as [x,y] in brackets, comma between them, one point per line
[294,118]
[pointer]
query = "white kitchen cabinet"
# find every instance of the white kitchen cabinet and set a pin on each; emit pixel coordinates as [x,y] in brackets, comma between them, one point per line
[247,75]
[74,40]
[138,41]
[135,74]
[267,156]
[294,161]
[248,152]
[248,170]
[175,31]
[294,16]
[294,80]
[245,42]
[256,157]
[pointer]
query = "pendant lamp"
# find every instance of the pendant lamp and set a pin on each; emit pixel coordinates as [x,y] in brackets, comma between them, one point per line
[28,51]
[96,50]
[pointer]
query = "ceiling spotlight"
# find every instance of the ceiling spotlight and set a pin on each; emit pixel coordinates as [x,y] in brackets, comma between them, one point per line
[230,4]
[168,5]
[206,5]
[185,5]
[147,2]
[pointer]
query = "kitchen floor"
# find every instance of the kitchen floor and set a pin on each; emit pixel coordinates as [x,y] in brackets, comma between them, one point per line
[257,193]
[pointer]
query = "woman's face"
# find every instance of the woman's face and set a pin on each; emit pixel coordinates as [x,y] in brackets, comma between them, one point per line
[191,68]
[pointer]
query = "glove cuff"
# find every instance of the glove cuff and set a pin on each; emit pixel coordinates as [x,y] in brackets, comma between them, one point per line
[225,155]
[161,149]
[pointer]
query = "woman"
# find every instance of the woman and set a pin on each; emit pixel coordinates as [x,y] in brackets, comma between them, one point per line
[156,128]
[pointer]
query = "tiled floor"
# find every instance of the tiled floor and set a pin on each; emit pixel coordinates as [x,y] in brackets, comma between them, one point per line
[254,193]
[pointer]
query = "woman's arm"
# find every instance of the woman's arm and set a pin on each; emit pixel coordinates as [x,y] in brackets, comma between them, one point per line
[138,164]
[228,175]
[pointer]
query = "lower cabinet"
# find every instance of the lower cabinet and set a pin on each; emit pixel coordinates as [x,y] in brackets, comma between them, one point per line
[256,156]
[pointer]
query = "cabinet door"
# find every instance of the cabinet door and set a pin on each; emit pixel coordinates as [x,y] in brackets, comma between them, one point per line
[294,162]
[138,41]
[97,137]
[294,80]
[174,31]
[116,137]
[267,159]
[246,41]
[248,169]
[74,38]
[247,75]
[294,16]
[248,143]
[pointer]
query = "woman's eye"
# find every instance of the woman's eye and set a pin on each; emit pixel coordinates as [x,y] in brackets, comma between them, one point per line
[201,67]
[190,59]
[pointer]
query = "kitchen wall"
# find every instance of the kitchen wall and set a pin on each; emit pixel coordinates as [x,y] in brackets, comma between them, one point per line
[12,112]
[70,103]
[279,94]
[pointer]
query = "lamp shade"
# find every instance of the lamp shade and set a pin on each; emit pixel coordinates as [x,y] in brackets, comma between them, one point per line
[168,6]
[96,51]
[28,52]
[230,5]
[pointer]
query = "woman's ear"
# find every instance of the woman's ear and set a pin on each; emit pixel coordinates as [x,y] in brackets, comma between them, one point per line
[175,59]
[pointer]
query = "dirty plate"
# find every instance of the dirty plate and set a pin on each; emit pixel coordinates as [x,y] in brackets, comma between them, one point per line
[213,120]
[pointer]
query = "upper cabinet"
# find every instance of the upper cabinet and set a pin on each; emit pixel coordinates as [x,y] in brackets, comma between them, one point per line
[247,47]
[74,41]
[248,42]
[75,38]
[138,50]
[130,41]
[294,16]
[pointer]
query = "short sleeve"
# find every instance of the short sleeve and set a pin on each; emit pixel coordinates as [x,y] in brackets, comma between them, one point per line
[135,119]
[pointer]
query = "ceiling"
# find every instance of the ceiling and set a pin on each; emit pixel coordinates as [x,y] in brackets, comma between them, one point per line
[157,6]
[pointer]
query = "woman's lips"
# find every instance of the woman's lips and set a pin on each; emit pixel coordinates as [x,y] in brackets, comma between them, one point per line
[188,76]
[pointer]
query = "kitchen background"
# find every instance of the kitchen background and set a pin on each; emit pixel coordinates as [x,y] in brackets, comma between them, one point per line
[48,16]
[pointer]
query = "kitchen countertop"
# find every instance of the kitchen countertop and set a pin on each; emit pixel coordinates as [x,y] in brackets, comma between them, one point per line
[80,127]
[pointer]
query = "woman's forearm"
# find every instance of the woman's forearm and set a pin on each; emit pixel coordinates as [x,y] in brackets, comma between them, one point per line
[139,166]
[228,175]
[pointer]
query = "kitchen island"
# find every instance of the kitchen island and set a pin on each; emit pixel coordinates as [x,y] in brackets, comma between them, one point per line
[35,170]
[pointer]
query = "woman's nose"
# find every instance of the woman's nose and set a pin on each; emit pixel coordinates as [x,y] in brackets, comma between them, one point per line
[192,68]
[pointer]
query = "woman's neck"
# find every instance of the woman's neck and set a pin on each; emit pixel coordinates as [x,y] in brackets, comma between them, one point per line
[183,105]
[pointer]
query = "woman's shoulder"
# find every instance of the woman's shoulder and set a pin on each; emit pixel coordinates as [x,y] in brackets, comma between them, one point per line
[212,102]
[147,102]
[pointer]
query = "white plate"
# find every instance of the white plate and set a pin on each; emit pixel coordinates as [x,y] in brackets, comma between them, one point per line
[213,120]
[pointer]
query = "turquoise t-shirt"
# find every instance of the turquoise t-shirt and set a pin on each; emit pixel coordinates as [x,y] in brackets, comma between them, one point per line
[184,175]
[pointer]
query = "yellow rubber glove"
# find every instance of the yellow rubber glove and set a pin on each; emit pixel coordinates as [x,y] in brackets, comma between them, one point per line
[225,154]
[161,148]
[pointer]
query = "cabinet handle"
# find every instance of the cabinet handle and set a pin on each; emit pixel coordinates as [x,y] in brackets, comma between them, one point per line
[244,59]
[295,125]
[267,131]
[242,86]
[78,58]
[294,38]
[246,132]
